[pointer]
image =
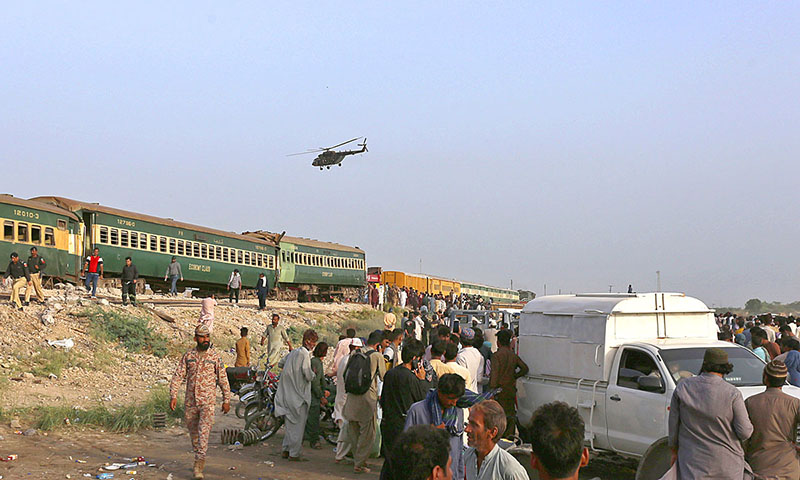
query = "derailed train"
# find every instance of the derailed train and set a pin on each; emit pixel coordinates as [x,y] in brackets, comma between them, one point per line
[65,230]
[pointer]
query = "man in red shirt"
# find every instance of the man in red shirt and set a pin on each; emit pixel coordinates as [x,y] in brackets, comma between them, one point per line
[93,266]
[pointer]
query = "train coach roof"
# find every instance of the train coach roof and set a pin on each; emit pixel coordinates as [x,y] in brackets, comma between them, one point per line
[75,205]
[302,241]
[12,200]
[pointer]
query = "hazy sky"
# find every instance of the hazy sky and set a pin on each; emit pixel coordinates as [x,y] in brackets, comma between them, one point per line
[579,145]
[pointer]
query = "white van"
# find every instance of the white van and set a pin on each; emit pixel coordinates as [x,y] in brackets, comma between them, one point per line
[617,358]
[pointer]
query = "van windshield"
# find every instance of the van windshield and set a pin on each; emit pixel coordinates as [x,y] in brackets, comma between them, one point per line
[686,362]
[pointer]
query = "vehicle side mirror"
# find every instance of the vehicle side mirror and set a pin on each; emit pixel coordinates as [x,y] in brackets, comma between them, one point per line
[650,384]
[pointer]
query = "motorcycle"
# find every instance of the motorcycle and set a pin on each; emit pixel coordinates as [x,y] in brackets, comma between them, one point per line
[259,411]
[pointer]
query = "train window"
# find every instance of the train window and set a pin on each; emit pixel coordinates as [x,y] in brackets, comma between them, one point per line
[219,253]
[8,231]
[162,244]
[239,257]
[225,254]
[180,247]
[259,260]
[196,248]
[153,243]
[114,236]
[36,234]
[247,258]
[123,238]
[204,251]
[22,232]
[104,235]
[62,224]
[49,237]
[271,265]
[188,249]
[143,241]
[253,259]
[134,240]
[172,246]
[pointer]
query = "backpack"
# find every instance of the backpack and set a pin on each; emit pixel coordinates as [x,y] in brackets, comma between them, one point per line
[358,375]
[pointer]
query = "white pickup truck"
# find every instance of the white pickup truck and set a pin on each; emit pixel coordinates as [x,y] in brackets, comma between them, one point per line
[617,358]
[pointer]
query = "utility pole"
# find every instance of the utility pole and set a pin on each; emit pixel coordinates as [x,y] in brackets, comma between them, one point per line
[609,288]
[545,290]
[512,284]
[658,280]
[420,265]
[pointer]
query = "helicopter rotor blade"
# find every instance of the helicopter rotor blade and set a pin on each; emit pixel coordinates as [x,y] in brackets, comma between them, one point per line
[302,153]
[344,143]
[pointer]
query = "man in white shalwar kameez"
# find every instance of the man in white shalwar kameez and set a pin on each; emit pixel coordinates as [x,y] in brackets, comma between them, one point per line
[293,397]
[343,445]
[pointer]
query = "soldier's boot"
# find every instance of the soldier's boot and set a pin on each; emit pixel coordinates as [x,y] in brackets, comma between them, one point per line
[198,469]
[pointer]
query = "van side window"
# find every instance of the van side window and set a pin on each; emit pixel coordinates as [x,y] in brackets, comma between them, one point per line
[633,365]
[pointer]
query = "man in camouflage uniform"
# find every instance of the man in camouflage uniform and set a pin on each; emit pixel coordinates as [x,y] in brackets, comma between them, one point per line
[202,368]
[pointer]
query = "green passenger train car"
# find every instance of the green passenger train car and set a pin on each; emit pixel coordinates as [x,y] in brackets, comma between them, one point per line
[498,295]
[207,256]
[55,232]
[316,269]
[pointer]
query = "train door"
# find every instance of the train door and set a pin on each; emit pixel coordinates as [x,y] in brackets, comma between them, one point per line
[75,247]
[87,240]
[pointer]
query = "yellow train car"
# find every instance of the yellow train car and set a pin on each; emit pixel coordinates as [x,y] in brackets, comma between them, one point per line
[443,285]
[421,283]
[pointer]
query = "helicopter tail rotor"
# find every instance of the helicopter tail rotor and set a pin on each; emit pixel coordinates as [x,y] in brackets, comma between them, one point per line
[364,145]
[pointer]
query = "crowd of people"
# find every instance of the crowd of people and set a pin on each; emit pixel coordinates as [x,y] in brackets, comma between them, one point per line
[382,295]
[443,394]
[769,336]
[715,433]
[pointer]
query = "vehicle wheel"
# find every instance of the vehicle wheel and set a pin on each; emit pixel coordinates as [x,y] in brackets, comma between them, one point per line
[267,422]
[251,409]
[240,410]
[655,462]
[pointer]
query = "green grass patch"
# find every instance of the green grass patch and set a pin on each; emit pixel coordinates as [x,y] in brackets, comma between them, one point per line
[49,360]
[103,359]
[133,333]
[127,419]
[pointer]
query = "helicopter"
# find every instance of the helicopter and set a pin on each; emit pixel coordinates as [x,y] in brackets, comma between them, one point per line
[330,157]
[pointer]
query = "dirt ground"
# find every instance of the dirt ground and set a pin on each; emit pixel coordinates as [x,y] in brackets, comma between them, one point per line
[57,456]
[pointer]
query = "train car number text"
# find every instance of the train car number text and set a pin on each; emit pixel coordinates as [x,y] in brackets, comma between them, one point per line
[26,214]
